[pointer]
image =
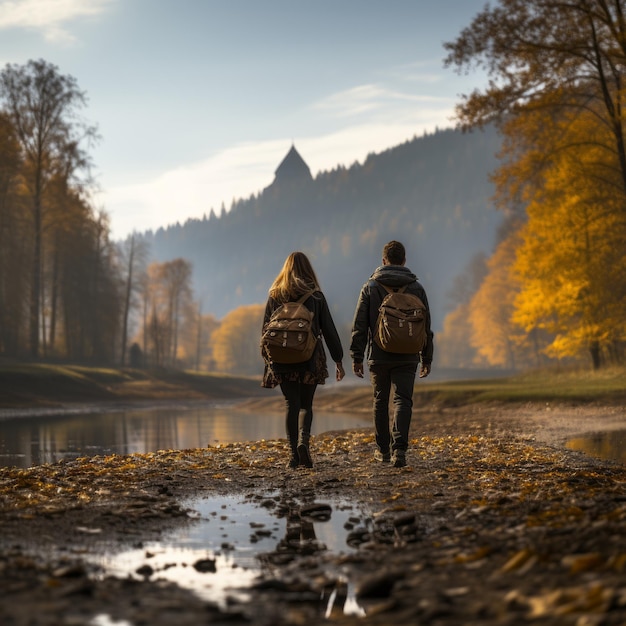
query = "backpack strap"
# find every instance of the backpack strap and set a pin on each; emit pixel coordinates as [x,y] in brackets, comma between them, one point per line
[316,328]
[305,297]
[389,289]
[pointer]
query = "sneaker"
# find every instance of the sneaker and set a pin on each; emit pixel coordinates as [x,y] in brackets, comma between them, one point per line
[305,457]
[399,458]
[382,457]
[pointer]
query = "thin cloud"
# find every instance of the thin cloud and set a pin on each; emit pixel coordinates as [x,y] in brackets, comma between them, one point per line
[193,190]
[418,72]
[368,99]
[49,16]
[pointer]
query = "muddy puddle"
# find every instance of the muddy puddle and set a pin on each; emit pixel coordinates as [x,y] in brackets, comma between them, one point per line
[608,446]
[222,551]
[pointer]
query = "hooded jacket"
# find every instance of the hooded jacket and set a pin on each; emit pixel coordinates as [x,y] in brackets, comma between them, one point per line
[366,314]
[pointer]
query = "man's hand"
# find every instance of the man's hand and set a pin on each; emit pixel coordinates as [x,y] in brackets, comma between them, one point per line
[357,368]
[424,370]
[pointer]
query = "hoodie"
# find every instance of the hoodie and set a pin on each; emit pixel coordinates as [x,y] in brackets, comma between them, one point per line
[362,346]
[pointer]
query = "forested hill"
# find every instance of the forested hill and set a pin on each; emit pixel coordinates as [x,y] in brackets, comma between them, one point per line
[432,193]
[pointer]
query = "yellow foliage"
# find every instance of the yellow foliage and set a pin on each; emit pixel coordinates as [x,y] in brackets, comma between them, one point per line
[568,263]
[236,341]
[454,348]
[490,310]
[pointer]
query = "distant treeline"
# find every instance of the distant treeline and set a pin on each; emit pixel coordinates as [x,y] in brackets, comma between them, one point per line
[432,193]
[67,291]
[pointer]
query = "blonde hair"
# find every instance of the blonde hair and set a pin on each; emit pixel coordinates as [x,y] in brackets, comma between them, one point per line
[296,278]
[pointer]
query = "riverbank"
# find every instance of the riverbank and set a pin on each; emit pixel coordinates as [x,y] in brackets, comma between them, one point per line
[492,522]
[44,387]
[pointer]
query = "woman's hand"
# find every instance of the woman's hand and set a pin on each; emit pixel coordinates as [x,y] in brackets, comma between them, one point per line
[340,371]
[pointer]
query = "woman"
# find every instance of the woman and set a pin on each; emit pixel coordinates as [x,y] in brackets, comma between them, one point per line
[298,381]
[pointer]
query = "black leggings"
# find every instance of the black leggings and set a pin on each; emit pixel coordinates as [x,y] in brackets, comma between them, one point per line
[298,397]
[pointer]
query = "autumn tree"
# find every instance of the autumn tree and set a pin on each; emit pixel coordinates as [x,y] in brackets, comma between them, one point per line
[493,334]
[576,291]
[132,256]
[167,304]
[236,342]
[43,106]
[195,349]
[14,255]
[89,295]
[454,342]
[176,276]
[556,89]
[547,55]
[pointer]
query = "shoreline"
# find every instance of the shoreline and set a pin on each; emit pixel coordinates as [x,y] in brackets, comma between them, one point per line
[494,522]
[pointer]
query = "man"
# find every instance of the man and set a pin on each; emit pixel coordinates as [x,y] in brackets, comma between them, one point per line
[389,369]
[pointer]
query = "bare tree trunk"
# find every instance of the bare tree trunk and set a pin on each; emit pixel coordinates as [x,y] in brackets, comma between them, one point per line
[129,285]
[96,342]
[145,331]
[199,338]
[594,351]
[54,294]
[35,287]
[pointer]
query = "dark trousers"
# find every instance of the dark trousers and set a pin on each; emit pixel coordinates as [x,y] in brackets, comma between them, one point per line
[298,399]
[400,378]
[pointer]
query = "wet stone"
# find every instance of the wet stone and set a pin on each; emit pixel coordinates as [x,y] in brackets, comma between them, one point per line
[205,566]
[145,570]
[317,511]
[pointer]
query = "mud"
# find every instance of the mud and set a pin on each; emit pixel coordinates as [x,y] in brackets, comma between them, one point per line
[493,521]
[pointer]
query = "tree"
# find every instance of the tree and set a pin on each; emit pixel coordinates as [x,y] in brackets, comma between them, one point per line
[176,277]
[236,342]
[548,55]
[167,304]
[133,253]
[491,307]
[557,90]
[42,106]
[13,254]
[571,261]
[454,347]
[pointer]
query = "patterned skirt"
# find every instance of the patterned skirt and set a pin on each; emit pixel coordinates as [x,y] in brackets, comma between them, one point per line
[315,372]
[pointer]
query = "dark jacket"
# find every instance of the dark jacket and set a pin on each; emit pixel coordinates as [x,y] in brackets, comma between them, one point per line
[366,314]
[322,324]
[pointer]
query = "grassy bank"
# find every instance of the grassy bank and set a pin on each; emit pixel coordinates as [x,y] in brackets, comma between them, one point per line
[607,385]
[42,385]
[39,385]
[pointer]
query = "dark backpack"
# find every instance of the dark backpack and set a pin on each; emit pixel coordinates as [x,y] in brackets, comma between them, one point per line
[289,336]
[401,323]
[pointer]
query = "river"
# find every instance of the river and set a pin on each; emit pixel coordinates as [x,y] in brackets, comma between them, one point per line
[33,440]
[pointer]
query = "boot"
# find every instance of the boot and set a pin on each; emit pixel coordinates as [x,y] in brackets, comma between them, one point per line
[303,450]
[294,459]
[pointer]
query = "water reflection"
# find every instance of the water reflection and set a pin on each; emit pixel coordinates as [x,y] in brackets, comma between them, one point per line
[610,445]
[220,554]
[27,441]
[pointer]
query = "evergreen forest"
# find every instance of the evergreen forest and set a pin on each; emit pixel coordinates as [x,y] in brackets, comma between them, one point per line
[433,193]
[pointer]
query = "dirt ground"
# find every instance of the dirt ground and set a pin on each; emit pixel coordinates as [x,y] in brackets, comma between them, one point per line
[493,521]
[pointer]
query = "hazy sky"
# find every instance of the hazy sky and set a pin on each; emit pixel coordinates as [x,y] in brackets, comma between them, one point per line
[198,101]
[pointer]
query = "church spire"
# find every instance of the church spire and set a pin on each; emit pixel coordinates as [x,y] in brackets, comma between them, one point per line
[292,168]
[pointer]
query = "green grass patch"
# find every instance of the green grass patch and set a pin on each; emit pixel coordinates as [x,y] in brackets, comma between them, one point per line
[607,385]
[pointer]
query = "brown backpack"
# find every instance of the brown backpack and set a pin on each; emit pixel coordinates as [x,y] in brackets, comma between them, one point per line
[289,336]
[401,323]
